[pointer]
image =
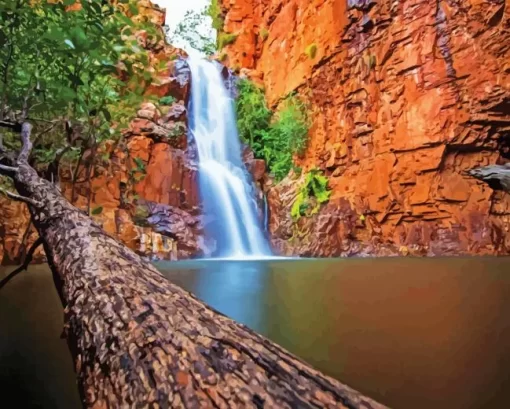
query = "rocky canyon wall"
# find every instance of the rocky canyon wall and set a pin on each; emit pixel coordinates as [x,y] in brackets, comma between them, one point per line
[405,96]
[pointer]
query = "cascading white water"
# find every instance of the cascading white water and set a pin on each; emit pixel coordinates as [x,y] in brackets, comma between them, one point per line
[224,182]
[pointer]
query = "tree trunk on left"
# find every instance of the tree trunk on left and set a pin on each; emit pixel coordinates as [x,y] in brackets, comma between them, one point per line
[139,341]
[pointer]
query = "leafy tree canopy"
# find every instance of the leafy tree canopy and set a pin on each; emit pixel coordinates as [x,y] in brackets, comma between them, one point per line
[59,62]
[195,31]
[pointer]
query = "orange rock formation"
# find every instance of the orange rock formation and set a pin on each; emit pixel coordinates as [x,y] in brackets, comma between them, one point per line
[406,96]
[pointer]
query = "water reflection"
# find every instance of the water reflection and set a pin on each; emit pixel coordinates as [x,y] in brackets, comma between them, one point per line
[411,333]
[232,287]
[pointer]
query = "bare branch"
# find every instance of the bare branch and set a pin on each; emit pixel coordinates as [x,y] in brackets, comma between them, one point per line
[23,246]
[10,125]
[19,198]
[52,173]
[10,169]
[34,119]
[26,129]
[42,133]
[26,262]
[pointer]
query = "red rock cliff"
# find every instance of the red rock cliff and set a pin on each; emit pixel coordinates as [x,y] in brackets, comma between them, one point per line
[406,96]
[153,210]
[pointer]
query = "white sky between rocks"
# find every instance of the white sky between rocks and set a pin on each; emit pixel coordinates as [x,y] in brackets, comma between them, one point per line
[176,9]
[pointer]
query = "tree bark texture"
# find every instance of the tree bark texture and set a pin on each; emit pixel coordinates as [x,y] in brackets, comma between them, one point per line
[139,341]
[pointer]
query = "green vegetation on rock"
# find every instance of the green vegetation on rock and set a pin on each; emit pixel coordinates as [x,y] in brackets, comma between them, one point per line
[214,11]
[167,100]
[275,137]
[225,39]
[311,51]
[311,195]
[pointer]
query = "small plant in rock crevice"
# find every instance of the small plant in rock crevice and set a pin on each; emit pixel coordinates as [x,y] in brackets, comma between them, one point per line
[138,173]
[178,130]
[167,100]
[225,39]
[264,33]
[311,195]
[311,51]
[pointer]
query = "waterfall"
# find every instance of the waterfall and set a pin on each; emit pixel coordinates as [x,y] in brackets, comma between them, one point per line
[223,180]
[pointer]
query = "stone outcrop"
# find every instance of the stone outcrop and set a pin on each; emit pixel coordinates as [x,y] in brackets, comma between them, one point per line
[142,190]
[406,97]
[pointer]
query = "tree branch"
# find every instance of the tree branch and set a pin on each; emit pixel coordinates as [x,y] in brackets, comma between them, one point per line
[16,127]
[52,172]
[19,198]
[23,246]
[26,129]
[10,169]
[25,264]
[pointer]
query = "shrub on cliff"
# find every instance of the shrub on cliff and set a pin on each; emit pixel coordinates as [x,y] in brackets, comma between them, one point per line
[311,195]
[214,11]
[225,39]
[275,137]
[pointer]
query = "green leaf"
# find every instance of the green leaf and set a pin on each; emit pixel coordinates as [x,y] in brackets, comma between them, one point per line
[107,114]
[133,9]
[126,20]
[140,164]
[97,210]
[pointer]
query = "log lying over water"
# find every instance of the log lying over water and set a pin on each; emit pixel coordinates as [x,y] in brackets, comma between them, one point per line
[140,341]
[496,176]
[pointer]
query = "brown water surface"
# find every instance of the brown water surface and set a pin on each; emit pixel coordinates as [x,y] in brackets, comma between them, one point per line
[411,333]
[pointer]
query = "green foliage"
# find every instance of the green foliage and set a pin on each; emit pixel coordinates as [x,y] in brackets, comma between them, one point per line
[97,210]
[313,192]
[225,39]
[223,57]
[311,51]
[178,129]
[193,30]
[140,165]
[167,100]
[253,115]
[214,11]
[264,33]
[59,66]
[273,137]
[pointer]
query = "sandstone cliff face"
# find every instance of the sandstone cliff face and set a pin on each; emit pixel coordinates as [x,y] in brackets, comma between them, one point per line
[406,96]
[144,189]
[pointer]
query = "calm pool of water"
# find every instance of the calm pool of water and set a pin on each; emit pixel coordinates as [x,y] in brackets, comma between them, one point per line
[411,333]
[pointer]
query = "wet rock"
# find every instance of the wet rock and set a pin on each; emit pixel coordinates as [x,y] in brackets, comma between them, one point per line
[179,81]
[257,168]
[177,224]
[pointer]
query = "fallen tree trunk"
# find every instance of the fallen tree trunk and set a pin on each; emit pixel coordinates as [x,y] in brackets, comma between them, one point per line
[140,341]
